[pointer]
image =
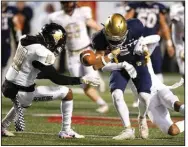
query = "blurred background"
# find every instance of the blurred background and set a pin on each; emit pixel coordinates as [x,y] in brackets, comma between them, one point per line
[35,14]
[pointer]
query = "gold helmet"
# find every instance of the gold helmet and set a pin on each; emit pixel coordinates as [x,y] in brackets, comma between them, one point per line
[115,29]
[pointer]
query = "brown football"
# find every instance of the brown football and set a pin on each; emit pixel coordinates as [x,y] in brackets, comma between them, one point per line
[87,58]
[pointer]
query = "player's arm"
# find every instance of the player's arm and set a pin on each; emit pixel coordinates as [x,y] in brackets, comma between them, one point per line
[93,24]
[51,73]
[102,59]
[166,34]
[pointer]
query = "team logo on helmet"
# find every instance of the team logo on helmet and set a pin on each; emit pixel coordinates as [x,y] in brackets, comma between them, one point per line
[57,35]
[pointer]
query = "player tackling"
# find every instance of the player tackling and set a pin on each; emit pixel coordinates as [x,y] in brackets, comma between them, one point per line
[34,55]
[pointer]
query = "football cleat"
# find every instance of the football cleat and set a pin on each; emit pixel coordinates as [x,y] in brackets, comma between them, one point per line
[6,133]
[103,109]
[128,133]
[69,134]
[143,128]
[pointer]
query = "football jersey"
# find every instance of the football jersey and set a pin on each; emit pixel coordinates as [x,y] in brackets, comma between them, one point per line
[148,14]
[22,72]
[75,26]
[135,31]
[6,23]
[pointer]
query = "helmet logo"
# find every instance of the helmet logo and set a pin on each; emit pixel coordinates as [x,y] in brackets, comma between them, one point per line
[57,35]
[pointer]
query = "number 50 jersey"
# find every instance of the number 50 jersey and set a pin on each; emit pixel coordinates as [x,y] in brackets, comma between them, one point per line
[148,13]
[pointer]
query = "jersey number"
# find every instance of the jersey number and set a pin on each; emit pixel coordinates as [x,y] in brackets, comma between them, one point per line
[148,20]
[73,30]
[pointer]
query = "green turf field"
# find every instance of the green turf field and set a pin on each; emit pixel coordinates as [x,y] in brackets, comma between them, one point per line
[41,131]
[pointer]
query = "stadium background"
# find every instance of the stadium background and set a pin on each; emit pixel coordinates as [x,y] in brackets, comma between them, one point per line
[99,128]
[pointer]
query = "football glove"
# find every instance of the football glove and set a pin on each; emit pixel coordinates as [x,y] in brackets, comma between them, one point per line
[90,80]
[130,69]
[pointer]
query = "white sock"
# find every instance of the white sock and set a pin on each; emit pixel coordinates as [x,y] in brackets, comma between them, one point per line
[66,111]
[182,110]
[180,125]
[100,101]
[160,76]
[121,107]
[8,118]
[144,100]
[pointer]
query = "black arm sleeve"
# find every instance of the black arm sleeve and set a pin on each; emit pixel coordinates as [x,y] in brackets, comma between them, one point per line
[51,73]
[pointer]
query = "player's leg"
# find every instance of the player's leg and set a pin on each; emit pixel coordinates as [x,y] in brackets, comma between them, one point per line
[118,82]
[160,116]
[143,85]
[156,59]
[181,65]
[135,93]
[92,93]
[171,101]
[48,93]
[77,69]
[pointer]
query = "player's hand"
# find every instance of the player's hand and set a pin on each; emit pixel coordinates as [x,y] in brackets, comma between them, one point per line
[182,55]
[91,80]
[139,48]
[171,51]
[130,69]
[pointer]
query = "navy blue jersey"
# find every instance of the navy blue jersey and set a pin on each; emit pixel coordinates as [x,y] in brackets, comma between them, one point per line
[135,31]
[148,14]
[6,23]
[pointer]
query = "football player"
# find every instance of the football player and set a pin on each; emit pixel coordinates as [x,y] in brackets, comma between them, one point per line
[152,15]
[123,39]
[162,99]
[75,19]
[36,54]
[8,33]
[177,17]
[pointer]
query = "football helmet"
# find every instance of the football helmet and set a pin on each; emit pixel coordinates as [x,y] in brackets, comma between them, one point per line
[54,37]
[115,30]
[68,6]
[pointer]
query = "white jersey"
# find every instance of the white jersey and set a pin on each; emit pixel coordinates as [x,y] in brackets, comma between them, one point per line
[75,26]
[177,15]
[22,72]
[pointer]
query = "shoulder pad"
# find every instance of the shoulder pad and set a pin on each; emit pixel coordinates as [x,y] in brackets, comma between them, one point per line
[45,56]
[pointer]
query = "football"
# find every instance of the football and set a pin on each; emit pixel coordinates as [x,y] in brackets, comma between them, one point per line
[87,58]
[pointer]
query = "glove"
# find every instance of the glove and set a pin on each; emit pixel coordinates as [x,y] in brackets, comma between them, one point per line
[114,53]
[130,69]
[91,80]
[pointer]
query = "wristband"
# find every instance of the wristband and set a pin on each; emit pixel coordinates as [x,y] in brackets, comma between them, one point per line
[103,60]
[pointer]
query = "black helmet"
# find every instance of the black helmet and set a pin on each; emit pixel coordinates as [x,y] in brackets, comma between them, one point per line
[54,37]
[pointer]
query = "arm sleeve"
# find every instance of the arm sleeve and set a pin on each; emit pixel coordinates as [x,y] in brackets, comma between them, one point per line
[112,66]
[51,73]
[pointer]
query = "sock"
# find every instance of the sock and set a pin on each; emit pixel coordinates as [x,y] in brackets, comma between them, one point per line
[180,125]
[100,101]
[143,104]
[182,110]
[160,76]
[121,107]
[66,111]
[8,118]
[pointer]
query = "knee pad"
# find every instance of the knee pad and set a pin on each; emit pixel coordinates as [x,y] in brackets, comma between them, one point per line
[167,98]
[69,96]
[144,97]
[117,95]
